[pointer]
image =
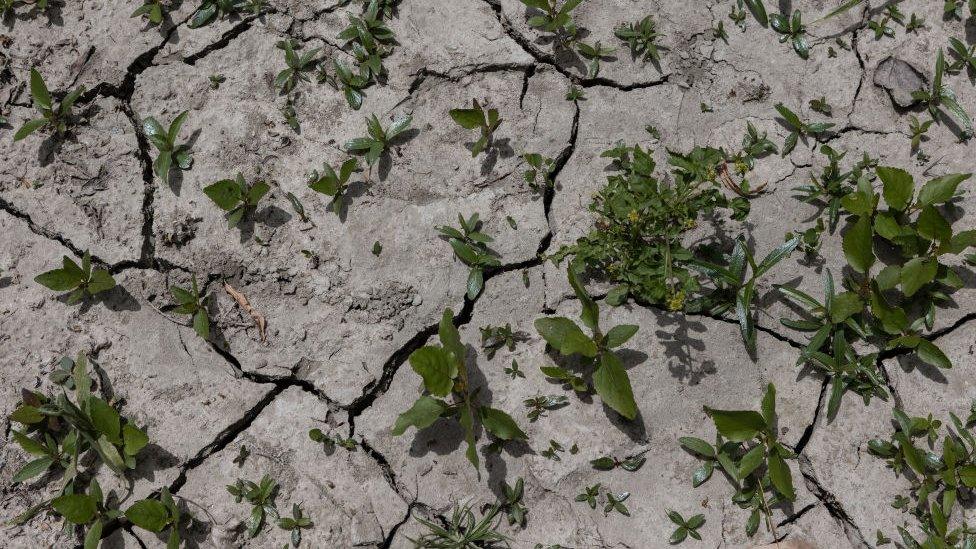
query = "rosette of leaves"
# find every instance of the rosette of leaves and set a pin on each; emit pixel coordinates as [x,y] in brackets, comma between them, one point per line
[189,301]
[295,524]
[607,373]
[463,530]
[834,184]
[748,452]
[641,222]
[540,171]
[236,197]
[836,323]
[478,118]
[58,431]
[940,96]
[904,295]
[793,30]
[333,184]
[56,117]
[799,128]
[351,83]
[512,503]
[377,140]
[556,17]
[260,495]
[369,38]
[296,66]
[164,139]
[939,477]
[595,53]
[641,37]
[449,394]
[471,247]
[82,281]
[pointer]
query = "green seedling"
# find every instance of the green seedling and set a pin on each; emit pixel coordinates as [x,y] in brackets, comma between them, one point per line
[540,172]
[608,376]
[940,96]
[55,117]
[589,495]
[191,302]
[370,39]
[470,245]
[609,463]
[719,32]
[330,443]
[615,502]
[821,106]
[351,84]
[754,147]
[445,374]
[170,153]
[793,30]
[156,515]
[478,118]
[881,28]
[835,323]
[512,503]
[236,197]
[595,53]
[965,57]
[555,18]
[641,37]
[918,129]
[575,93]
[377,140]
[685,528]
[82,282]
[377,248]
[553,451]
[295,524]
[260,496]
[291,117]
[296,66]
[7,6]
[540,404]
[833,185]
[334,184]
[462,531]
[494,338]
[940,478]
[915,23]
[216,80]
[152,10]
[915,229]
[514,371]
[298,208]
[799,128]
[748,452]
[212,10]
[735,290]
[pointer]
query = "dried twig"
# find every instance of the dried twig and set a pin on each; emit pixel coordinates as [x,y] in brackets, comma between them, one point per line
[241,300]
[737,188]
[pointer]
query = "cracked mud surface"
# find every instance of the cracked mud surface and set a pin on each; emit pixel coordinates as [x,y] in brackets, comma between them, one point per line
[342,321]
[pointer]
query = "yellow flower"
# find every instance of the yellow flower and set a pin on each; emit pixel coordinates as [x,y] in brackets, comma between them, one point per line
[676,301]
[633,216]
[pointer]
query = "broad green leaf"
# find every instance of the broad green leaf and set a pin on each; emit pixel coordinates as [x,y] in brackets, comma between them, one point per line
[58,280]
[737,425]
[612,384]
[858,245]
[931,354]
[500,424]
[421,415]
[780,475]
[101,281]
[565,336]
[450,338]
[42,97]
[933,226]
[225,193]
[148,514]
[468,119]
[917,273]
[618,335]
[590,314]
[898,187]
[94,535]
[75,508]
[133,439]
[436,367]
[941,189]
[105,418]
[201,323]
[844,306]
[476,281]
[32,469]
[29,127]
[697,446]
[751,460]
[769,406]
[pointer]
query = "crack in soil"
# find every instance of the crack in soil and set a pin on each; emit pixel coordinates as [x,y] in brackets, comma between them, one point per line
[833,507]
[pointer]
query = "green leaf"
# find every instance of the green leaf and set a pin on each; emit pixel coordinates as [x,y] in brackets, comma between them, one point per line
[226,194]
[591,313]
[468,119]
[75,508]
[201,323]
[94,535]
[737,425]
[751,460]
[32,468]
[476,281]
[941,189]
[59,280]
[858,245]
[29,127]
[42,97]
[697,446]
[931,354]
[917,273]
[618,335]
[565,336]
[844,306]
[450,338]
[898,187]
[101,281]
[500,424]
[769,406]
[612,384]
[781,476]
[436,367]
[933,226]
[967,474]
[421,415]
[148,514]
[104,418]
[133,439]
[777,255]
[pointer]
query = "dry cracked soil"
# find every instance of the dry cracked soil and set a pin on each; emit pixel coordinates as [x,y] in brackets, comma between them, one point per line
[342,320]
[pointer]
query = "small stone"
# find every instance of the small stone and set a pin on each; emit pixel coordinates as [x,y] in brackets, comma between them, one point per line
[899,79]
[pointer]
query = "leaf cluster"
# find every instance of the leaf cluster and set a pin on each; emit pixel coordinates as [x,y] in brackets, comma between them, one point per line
[462,531]
[554,17]
[164,139]
[189,301]
[377,140]
[236,197]
[641,37]
[296,66]
[799,128]
[470,245]
[331,183]
[478,118]
[82,281]
[260,495]
[55,116]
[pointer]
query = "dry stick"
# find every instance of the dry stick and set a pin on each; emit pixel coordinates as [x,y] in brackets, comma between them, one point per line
[241,300]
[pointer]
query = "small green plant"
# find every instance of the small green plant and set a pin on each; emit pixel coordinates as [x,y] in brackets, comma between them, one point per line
[641,37]
[478,118]
[236,197]
[553,451]
[377,140]
[589,495]
[512,503]
[352,84]
[82,282]
[575,93]
[608,375]
[938,478]
[445,373]
[462,531]
[470,245]
[170,153]
[260,496]
[298,208]
[494,338]
[540,172]
[295,524]
[152,10]
[540,404]
[595,53]
[290,116]
[834,184]
[331,442]
[940,96]
[334,184]
[754,461]
[609,463]
[212,10]
[965,57]
[821,106]
[799,128]
[55,117]
[514,371]
[919,129]
[793,30]
[555,18]
[296,66]
[685,528]
[155,515]
[191,302]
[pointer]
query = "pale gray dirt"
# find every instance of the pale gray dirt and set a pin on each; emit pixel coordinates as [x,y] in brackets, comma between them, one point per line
[342,321]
